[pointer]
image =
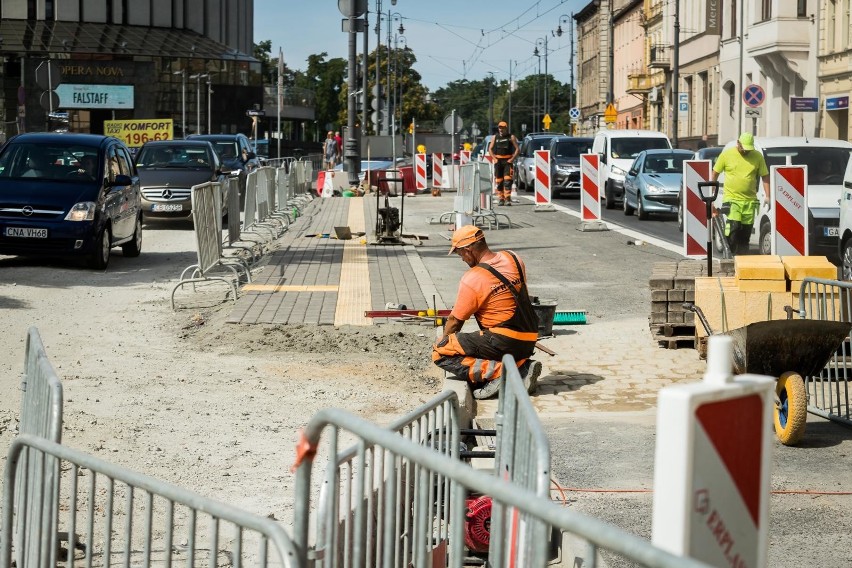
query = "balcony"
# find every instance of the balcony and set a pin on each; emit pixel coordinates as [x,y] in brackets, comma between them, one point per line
[638,83]
[653,11]
[660,57]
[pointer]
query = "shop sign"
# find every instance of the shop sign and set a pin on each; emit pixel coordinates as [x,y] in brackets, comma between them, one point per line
[134,133]
[95,96]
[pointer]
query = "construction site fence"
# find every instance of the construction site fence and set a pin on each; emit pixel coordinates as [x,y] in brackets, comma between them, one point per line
[828,392]
[116,517]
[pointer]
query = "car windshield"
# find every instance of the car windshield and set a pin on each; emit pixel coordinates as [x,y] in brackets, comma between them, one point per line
[53,161]
[226,149]
[572,148]
[665,163]
[629,148]
[539,143]
[826,166]
[173,156]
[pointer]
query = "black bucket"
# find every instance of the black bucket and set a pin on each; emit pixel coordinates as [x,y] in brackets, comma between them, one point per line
[545,310]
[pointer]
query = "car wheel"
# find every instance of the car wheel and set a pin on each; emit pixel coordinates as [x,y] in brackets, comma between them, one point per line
[134,247]
[99,257]
[609,198]
[628,210]
[847,260]
[765,242]
[521,184]
[640,211]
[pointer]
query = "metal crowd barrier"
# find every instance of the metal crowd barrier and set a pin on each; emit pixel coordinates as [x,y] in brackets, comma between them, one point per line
[206,216]
[117,517]
[828,393]
[41,415]
[428,548]
[474,197]
[522,457]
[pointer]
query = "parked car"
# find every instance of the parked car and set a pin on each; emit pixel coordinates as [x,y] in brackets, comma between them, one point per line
[235,152]
[167,171]
[480,150]
[708,153]
[652,184]
[618,149]
[69,195]
[525,163]
[565,163]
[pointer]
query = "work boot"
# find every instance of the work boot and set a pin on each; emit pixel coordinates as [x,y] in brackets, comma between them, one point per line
[502,202]
[508,203]
[530,371]
[488,390]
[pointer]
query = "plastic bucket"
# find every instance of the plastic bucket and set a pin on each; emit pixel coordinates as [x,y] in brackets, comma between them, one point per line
[545,310]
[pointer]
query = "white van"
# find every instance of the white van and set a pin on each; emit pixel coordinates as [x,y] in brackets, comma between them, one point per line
[618,149]
[826,161]
[844,243]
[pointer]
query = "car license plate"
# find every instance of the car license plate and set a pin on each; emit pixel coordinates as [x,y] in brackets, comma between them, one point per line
[831,231]
[26,232]
[167,207]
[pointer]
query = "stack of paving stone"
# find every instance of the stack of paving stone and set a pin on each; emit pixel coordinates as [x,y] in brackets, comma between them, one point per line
[672,283]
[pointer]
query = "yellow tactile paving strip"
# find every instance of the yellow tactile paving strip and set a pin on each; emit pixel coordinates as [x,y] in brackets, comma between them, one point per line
[284,288]
[353,297]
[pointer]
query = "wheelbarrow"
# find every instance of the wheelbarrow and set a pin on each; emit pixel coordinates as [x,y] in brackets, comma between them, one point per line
[788,349]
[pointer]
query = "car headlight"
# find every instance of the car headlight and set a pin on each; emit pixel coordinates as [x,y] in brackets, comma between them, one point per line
[565,169]
[617,171]
[655,189]
[83,211]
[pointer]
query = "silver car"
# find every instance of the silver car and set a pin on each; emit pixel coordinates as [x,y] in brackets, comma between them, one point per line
[653,183]
[525,163]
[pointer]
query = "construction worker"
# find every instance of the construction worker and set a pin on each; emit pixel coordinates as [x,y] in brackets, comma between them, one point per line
[503,149]
[494,291]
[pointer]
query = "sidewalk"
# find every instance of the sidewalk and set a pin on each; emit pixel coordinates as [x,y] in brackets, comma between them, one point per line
[610,364]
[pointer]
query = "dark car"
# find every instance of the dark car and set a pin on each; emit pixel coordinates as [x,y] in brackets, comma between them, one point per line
[235,152]
[565,163]
[64,195]
[167,171]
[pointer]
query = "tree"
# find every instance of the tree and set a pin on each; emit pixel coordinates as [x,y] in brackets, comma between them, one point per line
[325,80]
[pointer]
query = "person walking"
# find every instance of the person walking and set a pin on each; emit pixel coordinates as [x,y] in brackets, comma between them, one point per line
[494,291]
[329,151]
[742,166]
[503,150]
[339,141]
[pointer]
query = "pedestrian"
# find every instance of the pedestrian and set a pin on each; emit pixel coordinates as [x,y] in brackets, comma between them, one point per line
[494,291]
[329,151]
[503,149]
[742,166]
[339,141]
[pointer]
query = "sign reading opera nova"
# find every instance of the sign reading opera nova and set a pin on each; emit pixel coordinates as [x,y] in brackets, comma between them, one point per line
[95,96]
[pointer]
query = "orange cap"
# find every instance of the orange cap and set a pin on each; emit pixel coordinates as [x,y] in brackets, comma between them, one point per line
[465,236]
[502,123]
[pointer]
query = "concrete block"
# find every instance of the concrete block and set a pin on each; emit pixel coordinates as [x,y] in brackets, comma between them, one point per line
[721,301]
[659,282]
[688,317]
[675,317]
[763,306]
[659,307]
[684,282]
[689,295]
[676,307]
[677,295]
[758,267]
[801,267]
[660,295]
[658,318]
[762,285]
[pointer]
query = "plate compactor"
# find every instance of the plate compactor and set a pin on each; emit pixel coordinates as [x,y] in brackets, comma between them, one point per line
[389,219]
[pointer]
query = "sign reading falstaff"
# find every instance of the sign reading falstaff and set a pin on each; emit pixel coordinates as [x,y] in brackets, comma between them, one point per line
[134,133]
[95,96]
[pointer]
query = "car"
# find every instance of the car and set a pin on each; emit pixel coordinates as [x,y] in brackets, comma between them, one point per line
[565,163]
[480,150]
[618,149]
[525,162]
[69,195]
[167,171]
[652,184]
[235,152]
[708,153]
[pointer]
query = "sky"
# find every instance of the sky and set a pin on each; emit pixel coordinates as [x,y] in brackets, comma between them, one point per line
[452,40]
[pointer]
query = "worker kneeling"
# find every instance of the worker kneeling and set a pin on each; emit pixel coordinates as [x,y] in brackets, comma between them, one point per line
[494,291]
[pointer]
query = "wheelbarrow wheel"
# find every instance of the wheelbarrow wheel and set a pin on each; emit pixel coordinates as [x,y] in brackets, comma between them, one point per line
[791,412]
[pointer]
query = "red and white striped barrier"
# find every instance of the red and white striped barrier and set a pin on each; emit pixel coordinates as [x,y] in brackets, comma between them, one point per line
[437,170]
[590,187]
[542,177]
[464,157]
[789,209]
[420,172]
[695,224]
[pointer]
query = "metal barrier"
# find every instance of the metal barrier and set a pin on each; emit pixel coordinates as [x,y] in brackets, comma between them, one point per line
[206,216]
[828,393]
[41,415]
[367,501]
[403,456]
[95,494]
[523,458]
[475,181]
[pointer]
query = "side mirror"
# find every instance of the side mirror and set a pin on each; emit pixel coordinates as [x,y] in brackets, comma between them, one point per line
[633,171]
[251,155]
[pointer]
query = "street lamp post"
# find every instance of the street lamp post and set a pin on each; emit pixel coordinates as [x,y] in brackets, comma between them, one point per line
[570,21]
[182,74]
[209,93]
[538,42]
[198,77]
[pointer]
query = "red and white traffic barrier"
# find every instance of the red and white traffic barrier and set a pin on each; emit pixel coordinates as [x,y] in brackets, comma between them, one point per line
[590,187]
[789,209]
[437,170]
[420,172]
[695,225]
[464,157]
[542,177]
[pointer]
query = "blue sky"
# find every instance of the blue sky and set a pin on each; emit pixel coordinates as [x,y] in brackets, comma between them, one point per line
[452,40]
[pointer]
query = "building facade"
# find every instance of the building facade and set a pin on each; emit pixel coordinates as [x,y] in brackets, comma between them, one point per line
[593,63]
[186,60]
[628,56]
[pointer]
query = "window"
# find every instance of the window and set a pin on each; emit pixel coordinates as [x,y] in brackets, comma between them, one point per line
[765,10]
[733,32]
[802,9]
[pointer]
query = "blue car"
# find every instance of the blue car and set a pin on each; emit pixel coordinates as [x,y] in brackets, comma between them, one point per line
[69,195]
[653,183]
